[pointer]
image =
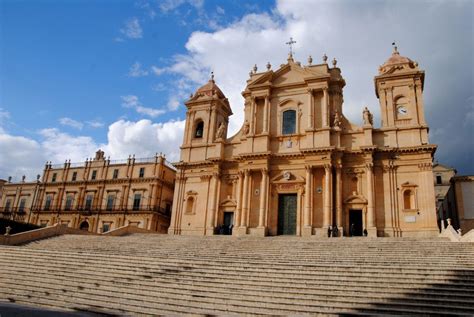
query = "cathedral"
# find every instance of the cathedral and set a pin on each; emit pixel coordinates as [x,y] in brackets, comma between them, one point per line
[298,166]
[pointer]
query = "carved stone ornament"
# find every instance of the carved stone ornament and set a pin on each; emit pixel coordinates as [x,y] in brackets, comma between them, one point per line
[286,175]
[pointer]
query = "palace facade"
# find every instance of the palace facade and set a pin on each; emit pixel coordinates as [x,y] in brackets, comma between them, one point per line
[97,195]
[298,166]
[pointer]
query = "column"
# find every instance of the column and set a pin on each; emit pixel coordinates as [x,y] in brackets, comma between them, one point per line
[263,198]
[265,115]
[213,194]
[212,126]
[245,200]
[307,197]
[327,196]
[370,196]
[253,104]
[325,107]
[311,108]
[239,199]
[338,197]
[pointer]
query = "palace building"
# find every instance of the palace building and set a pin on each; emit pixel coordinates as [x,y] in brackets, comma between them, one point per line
[97,195]
[298,166]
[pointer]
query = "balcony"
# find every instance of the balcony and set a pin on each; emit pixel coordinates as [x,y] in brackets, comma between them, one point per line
[15,214]
[104,210]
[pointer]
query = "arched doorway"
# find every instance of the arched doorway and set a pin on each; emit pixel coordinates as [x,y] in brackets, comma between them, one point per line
[84,226]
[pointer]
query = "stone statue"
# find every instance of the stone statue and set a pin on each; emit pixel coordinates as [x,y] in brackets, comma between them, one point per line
[221,131]
[367,116]
[337,119]
[246,128]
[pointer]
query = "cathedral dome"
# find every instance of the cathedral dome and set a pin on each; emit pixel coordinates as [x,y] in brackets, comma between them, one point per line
[210,89]
[396,61]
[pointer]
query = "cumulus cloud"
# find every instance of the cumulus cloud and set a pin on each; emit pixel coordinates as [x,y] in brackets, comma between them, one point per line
[131,101]
[137,71]
[132,29]
[71,123]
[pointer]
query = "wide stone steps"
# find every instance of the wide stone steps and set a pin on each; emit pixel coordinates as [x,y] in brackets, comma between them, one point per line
[158,274]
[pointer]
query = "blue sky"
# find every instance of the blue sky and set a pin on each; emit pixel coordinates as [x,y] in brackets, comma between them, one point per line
[76,76]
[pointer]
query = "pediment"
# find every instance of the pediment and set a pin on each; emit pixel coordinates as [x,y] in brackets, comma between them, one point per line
[355,199]
[287,177]
[228,203]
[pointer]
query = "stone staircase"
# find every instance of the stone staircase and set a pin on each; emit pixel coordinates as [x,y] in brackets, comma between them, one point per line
[147,275]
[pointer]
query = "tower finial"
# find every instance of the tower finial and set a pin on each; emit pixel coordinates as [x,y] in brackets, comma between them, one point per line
[212,75]
[395,48]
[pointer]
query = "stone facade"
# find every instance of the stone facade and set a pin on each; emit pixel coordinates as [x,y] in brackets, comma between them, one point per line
[298,166]
[97,195]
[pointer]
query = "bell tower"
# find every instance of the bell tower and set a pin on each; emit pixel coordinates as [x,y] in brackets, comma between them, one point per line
[399,88]
[207,120]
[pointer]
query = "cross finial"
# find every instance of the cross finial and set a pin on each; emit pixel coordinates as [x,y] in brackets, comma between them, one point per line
[290,43]
[212,76]
[395,48]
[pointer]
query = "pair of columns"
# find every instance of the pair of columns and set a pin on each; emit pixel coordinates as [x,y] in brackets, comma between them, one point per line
[244,185]
[325,108]
[266,115]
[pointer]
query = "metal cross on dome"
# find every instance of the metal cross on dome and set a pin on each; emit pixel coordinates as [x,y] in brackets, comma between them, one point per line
[290,43]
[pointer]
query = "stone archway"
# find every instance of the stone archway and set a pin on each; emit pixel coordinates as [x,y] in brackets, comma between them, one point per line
[84,226]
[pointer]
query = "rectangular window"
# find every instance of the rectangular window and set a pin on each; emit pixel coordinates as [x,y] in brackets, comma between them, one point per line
[142,172]
[105,227]
[69,201]
[110,202]
[21,208]
[8,204]
[74,176]
[136,201]
[116,171]
[94,175]
[289,122]
[438,179]
[54,177]
[88,205]
[47,204]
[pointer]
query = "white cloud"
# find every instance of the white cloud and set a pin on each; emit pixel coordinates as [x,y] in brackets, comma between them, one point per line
[171,5]
[157,70]
[144,138]
[131,101]
[4,115]
[95,123]
[137,71]
[132,29]
[71,123]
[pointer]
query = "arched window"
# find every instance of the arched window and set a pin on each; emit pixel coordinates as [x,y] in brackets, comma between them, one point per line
[190,205]
[289,122]
[199,131]
[408,199]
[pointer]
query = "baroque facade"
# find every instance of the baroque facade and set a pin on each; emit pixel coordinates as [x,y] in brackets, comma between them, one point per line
[298,166]
[98,195]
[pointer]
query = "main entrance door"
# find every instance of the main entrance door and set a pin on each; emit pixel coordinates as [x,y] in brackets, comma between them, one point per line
[228,222]
[355,222]
[287,213]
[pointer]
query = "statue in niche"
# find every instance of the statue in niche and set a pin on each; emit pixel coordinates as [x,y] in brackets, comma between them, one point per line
[221,131]
[367,116]
[246,128]
[337,119]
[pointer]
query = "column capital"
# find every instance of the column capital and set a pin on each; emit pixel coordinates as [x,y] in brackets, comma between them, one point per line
[264,171]
[327,166]
[308,168]
[247,172]
[369,165]
[310,90]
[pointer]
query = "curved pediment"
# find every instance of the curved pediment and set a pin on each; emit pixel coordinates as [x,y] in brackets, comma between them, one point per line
[228,203]
[288,177]
[355,199]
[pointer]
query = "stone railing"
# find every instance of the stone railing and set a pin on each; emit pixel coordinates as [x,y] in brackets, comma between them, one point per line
[453,235]
[37,234]
[128,229]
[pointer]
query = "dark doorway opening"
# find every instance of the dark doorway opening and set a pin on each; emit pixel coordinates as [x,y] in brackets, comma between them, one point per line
[228,223]
[355,223]
[84,225]
[287,204]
